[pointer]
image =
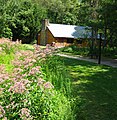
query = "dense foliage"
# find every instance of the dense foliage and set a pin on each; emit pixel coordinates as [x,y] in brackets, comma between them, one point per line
[22,19]
[101,15]
[27,89]
[86,51]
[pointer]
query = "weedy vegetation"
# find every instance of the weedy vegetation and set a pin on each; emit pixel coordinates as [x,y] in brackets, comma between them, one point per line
[33,84]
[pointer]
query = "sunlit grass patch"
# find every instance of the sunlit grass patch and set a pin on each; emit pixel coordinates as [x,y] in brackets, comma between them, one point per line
[96,86]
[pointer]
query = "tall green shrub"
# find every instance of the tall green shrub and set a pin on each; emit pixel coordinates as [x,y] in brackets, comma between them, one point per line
[20,19]
[57,73]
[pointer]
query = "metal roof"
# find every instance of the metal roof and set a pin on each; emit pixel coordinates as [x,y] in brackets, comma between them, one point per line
[69,31]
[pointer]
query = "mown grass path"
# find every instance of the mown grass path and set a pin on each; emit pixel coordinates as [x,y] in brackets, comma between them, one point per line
[94,90]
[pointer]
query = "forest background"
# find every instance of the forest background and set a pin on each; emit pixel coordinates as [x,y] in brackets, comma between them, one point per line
[21,19]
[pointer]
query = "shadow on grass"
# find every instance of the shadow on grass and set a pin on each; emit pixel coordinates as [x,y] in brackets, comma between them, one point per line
[94,90]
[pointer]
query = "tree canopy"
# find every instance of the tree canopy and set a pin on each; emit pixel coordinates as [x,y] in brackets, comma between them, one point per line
[22,19]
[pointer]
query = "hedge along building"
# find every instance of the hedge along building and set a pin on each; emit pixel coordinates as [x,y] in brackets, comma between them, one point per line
[62,34]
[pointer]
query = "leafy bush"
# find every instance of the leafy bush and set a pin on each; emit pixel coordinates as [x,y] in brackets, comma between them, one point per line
[28,93]
[76,50]
[7,32]
[68,49]
[110,52]
[20,19]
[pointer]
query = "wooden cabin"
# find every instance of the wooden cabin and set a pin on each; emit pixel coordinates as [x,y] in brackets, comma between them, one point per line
[62,34]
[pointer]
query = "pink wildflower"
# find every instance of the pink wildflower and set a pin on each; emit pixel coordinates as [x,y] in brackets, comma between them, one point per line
[35,70]
[40,81]
[16,63]
[3,77]
[48,45]
[25,113]
[24,75]
[47,50]
[48,85]
[17,77]
[30,64]
[42,55]
[2,111]
[33,60]
[26,66]
[18,70]
[19,87]
[27,60]
[27,53]
[6,77]
[18,54]
[37,47]
[25,81]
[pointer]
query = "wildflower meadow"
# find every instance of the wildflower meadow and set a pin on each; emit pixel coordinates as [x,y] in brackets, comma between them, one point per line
[33,84]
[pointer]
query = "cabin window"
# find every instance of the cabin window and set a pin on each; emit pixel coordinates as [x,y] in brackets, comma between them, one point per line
[69,40]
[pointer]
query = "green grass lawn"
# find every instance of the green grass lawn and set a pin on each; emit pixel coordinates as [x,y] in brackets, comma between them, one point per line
[94,90]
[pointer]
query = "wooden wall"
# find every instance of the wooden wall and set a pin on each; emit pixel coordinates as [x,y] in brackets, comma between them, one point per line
[39,38]
[59,41]
[50,37]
